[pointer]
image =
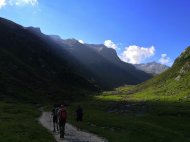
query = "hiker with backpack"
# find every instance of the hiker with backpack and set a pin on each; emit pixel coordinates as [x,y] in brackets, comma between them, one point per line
[62,115]
[79,116]
[55,117]
[79,113]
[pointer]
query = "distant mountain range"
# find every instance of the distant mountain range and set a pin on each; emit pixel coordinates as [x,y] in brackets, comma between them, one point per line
[152,68]
[42,65]
[101,64]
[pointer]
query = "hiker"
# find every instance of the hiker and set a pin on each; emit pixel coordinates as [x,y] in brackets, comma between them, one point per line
[62,115]
[55,118]
[79,114]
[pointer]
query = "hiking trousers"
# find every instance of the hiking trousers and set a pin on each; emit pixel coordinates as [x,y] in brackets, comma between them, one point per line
[62,128]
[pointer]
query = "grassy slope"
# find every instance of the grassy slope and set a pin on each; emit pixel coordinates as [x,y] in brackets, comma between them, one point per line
[157,110]
[18,123]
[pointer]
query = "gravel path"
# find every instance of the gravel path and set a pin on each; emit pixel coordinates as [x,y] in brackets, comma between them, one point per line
[71,133]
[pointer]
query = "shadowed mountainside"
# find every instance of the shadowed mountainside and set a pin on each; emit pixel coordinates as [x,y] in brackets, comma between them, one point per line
[35,65]
[96,62]
[30,68]
[101,64]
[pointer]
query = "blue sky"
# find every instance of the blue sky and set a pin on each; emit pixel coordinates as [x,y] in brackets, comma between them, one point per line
[140,30]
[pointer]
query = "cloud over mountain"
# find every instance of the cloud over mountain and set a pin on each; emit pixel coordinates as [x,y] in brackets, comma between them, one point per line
[81,41]
[165,59]
[135,54]
[110,44]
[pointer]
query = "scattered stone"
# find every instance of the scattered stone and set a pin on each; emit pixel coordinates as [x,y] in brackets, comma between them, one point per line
[178,78]
[182,70]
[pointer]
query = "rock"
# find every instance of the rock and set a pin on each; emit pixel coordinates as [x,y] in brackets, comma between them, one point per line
[182,71]
[178,78]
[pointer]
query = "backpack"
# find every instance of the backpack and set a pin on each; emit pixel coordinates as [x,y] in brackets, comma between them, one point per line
[62,115]
[55,111]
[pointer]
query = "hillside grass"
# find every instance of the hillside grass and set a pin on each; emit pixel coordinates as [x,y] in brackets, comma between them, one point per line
[157,110]
[19,123]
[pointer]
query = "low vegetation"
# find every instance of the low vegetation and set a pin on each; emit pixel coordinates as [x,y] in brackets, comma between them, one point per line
[157,110]
[118,118]
[19,123]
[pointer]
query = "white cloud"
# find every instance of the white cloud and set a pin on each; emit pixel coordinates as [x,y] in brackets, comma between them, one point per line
[23,2]
[18,2]
[110,44]
[136,54]
[81,41]
[2,3]
[165,59]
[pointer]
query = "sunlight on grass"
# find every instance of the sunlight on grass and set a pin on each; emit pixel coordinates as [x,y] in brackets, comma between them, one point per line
[156,110]
[109,97]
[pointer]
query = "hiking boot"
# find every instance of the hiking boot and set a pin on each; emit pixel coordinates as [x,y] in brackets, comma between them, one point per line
[61,136]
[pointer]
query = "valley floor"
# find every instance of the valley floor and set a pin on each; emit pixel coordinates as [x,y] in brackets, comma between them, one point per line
[119,116]
[122,115]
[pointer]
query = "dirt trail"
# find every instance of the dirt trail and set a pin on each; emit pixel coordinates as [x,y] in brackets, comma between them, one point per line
[71,133]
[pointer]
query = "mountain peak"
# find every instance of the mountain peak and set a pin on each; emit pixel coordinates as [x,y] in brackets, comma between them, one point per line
[97,47]
[153,62]
[152,67]
[55,37]
[71,41]
[34,29]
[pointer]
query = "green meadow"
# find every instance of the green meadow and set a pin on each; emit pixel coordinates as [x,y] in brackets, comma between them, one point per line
[157,110]
[129,118]
[19,123]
